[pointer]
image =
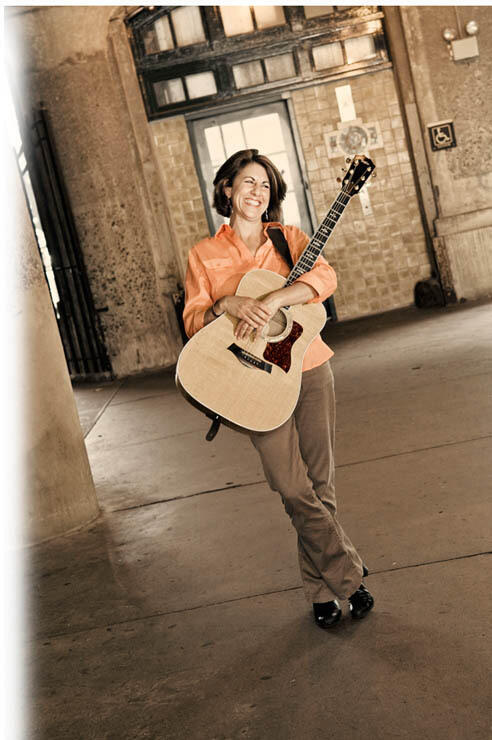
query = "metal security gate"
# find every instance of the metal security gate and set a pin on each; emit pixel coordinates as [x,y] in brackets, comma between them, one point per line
[77,317]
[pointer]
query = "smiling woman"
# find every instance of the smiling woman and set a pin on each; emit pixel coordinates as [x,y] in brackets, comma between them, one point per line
[260,341]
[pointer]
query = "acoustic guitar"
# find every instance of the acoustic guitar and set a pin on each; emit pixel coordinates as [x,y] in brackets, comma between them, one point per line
[253,384]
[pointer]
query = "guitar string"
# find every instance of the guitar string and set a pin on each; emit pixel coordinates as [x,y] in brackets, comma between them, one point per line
[316,244]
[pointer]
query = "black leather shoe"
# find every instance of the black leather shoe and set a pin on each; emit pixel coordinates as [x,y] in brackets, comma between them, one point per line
[365,572]
[327,614]
[361,602]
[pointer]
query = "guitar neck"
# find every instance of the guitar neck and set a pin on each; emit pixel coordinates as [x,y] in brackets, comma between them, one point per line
[315,247]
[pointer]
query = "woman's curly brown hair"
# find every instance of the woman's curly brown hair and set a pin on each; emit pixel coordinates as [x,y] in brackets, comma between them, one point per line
[228,171]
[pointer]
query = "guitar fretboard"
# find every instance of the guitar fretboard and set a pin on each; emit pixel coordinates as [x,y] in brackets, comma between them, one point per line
[318,241]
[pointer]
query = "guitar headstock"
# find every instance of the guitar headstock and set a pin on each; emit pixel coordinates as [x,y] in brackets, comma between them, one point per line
[359,171]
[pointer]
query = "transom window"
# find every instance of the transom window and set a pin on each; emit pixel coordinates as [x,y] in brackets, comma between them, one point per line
[180,27]
[238,19]
[190,56]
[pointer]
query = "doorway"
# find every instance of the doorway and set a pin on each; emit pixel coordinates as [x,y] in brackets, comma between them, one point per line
[266,128]
[54,228]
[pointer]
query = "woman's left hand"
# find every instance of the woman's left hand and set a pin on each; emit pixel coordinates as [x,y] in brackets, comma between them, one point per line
[272,303]
[295,294]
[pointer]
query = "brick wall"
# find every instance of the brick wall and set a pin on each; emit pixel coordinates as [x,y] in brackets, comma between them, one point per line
[378,258]
[184,197]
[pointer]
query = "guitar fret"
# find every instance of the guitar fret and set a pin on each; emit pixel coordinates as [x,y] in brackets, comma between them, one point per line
[318,241]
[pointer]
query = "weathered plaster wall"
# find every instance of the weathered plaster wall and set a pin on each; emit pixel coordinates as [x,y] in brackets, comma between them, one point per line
[60,492]
[68,55]
[462,176]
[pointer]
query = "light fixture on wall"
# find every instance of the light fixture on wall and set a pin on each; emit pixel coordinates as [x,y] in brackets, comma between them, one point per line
[459,46]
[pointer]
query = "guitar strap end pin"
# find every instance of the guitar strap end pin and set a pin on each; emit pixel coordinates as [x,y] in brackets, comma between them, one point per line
[214,427]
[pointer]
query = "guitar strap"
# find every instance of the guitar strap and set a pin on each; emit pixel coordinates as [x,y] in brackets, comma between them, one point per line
[280,244]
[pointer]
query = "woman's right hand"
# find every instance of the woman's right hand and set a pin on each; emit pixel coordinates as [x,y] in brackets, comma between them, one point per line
[248,310]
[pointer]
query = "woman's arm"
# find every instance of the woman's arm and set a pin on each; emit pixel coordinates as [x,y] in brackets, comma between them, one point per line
[291,296]
[252,312]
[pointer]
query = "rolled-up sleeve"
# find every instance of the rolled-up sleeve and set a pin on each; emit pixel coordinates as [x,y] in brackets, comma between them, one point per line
[322,276]
[198,296]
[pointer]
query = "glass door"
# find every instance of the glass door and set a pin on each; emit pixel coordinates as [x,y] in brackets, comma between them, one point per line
[266,128]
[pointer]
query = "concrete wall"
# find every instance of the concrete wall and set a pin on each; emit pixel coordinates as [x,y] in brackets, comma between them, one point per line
[60,491]
[69,61]
[462,176]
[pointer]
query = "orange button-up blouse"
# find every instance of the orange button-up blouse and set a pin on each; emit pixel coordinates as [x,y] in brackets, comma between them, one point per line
[217,264]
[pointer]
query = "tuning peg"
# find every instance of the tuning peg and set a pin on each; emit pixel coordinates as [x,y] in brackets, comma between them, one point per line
[374,174]
[348,160]
[339,179]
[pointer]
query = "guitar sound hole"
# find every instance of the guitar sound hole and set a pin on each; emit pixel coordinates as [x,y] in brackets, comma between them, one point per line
[275,327]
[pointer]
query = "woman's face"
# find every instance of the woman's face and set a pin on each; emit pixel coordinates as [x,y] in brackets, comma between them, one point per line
[250,192]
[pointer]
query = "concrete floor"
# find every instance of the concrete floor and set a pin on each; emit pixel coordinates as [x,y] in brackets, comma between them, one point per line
[179,613]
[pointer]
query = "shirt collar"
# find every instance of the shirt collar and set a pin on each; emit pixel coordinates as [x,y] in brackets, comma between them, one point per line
[226,229]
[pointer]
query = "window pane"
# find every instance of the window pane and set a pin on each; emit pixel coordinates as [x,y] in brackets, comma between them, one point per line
[187,24]
[360,48]
[264,133]
[151,44]
[328,55]
[233,137]
[313,11]
[290,210]
[269,15]
[236,19]
[246,75]
[163,33]
[215,146]
[280,67]
[169,91]
[201,84]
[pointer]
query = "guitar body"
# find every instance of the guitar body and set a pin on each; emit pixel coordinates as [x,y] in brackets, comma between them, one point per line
[252,384]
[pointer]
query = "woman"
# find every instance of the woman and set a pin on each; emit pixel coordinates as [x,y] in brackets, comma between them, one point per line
[297,457]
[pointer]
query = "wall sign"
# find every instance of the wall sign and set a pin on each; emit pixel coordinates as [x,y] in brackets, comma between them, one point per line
[353,137]
[441,135]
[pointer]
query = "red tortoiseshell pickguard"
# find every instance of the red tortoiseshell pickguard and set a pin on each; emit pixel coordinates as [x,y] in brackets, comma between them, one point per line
[278,353]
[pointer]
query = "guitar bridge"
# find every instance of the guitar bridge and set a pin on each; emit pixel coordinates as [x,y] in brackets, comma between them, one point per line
[249,360]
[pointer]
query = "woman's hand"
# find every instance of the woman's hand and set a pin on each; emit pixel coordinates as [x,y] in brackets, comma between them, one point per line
[252,314]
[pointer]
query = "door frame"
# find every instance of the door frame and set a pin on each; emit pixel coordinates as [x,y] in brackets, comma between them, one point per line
[218,110]
[257,101]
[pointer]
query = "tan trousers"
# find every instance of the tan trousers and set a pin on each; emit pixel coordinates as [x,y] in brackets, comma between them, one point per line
[298,461]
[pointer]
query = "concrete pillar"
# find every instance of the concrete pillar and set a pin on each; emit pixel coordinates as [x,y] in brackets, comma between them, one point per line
[78,63]
[60,493]
[415,134]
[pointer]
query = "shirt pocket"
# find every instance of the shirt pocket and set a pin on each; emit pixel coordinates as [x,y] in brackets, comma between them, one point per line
[219,263]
